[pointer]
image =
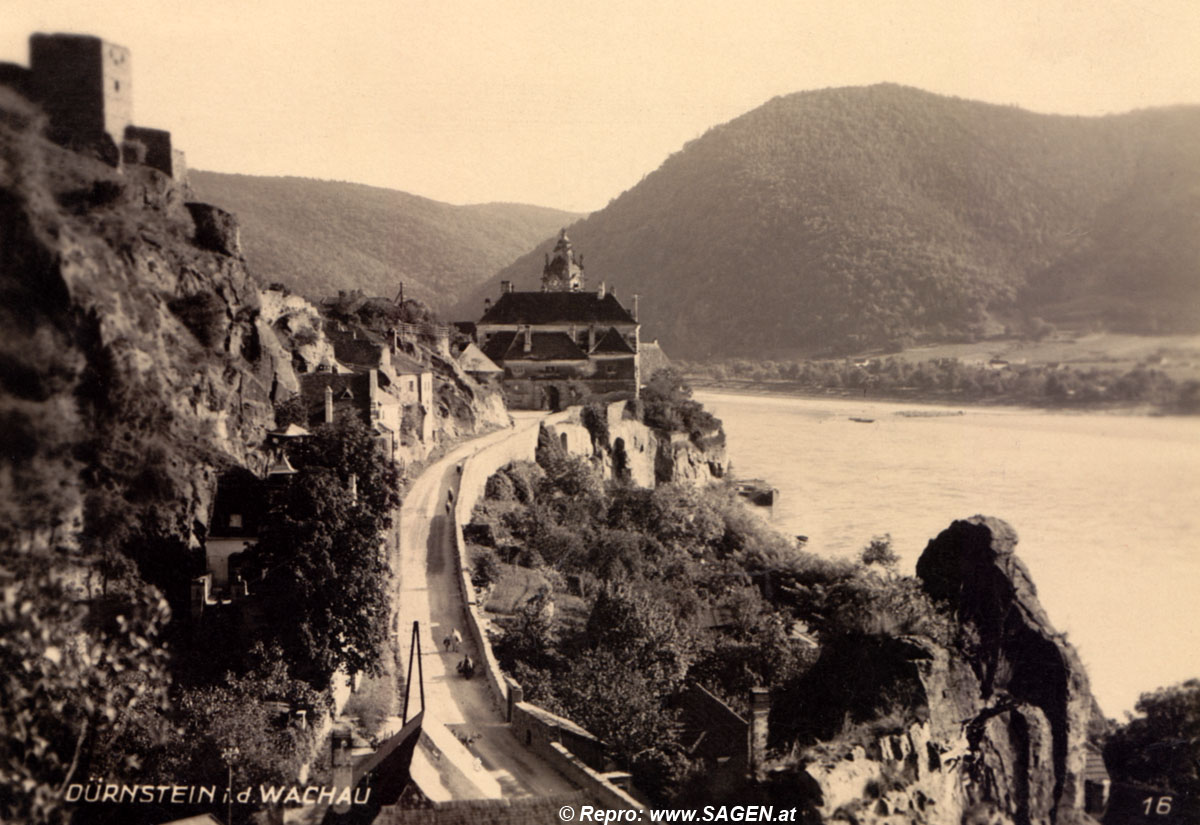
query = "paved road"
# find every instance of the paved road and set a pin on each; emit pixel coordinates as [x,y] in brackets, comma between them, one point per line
[496,764]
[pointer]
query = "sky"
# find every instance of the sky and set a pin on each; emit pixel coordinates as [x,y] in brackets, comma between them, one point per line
[567,104]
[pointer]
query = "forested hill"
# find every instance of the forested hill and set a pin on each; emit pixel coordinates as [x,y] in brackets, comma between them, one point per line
[321,236]
[862,217]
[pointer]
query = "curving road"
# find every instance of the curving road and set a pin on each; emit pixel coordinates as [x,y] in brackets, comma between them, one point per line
[494,764]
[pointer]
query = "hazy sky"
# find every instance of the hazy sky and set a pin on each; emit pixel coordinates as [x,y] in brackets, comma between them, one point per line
[567,104]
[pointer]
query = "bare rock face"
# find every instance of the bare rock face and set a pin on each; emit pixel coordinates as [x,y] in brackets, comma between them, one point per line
[216,229]
[152,363]
[680,460]
[1001,717]
[1027,737]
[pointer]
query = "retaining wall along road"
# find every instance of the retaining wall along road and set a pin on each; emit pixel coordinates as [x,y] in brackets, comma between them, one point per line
[476,469]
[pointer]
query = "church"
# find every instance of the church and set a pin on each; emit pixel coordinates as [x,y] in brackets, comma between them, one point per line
[565,344]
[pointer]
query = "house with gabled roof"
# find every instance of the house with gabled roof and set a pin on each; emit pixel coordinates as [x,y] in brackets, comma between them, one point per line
[474,363]
[565,344]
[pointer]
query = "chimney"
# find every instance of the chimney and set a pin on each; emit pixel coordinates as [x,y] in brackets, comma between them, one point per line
[760,709]
[612,290]
[528,339]
[635,306]
[328,404]
[487,305]
[505,287]
[600,291]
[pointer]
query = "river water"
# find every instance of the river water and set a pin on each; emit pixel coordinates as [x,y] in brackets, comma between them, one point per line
[1107,508]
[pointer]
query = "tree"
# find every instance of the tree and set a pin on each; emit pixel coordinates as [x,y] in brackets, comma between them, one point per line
[610,696]
[880,552]
[243,711]
[70,678]
[348,448]
[1161,746]
[667,405]
[323,574]
[642,630]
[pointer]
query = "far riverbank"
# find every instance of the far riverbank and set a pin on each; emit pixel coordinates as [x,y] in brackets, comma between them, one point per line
[794,389]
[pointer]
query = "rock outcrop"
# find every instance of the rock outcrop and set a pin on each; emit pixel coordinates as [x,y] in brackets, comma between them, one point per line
[139,357]
[623,447]
[133,355]
[1028,738]
[681,459]
[1002,718]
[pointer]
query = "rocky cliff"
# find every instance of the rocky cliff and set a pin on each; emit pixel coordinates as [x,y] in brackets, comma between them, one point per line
[138,355]
[135,357]
[1000,720]
[623,447]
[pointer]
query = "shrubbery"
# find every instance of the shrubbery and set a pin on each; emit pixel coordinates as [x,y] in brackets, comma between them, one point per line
[667,405]
[678,576]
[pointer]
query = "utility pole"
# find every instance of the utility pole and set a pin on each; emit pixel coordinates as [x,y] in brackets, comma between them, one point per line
[229,753]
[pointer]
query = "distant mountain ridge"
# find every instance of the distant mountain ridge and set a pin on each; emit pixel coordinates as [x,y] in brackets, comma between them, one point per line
[861,217]
[319,236]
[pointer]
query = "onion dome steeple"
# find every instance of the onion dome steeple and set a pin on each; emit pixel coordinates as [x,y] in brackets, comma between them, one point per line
[563,271]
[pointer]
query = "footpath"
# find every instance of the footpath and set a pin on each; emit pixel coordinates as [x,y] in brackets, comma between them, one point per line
[467,750]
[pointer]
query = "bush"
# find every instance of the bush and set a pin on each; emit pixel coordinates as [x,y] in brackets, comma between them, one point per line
[485,567]
[880,552]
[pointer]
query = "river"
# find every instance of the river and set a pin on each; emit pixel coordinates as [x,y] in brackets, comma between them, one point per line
[1107,508]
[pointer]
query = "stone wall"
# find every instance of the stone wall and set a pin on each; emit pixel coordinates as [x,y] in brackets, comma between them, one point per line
[476,469]
[531,724]
[528,721]
[160,154]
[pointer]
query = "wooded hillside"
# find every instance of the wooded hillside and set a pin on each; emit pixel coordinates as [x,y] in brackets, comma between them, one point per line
[852,218]
[317,237]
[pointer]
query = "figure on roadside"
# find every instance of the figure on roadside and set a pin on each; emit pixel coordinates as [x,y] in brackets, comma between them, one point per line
[455,640]
[446,642]
[466,667]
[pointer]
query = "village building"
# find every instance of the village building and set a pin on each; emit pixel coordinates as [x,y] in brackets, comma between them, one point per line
[565,344]
[238,506]
[474,363]
[368,379]
[652,359]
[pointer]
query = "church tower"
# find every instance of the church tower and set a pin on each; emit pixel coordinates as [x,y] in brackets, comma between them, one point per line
[563,272]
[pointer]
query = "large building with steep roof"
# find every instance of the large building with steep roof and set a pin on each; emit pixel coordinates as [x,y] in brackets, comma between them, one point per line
[565,344]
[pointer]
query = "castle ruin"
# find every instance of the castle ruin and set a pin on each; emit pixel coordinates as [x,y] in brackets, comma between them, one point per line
[85,86]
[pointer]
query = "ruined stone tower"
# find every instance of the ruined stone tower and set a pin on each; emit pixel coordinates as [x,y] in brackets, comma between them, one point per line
[85,86]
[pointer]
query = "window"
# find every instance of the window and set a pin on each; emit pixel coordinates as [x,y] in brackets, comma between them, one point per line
[235,519]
